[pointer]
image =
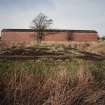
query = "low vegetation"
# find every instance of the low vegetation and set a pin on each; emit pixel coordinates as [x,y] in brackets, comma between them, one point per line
[76,80]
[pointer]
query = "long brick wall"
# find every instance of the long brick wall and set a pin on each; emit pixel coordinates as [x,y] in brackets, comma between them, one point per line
[84,36]
[16,38]
[56,36]
[10,37]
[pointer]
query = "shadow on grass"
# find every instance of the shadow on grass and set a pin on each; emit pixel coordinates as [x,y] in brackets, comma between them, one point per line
[34,54]
[89,56]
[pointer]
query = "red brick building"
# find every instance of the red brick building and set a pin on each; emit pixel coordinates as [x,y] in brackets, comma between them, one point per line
[9,37]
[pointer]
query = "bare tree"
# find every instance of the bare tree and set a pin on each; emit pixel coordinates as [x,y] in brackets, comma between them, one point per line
[40,24]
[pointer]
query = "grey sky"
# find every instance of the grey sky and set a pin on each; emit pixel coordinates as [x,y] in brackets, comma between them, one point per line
[67,14]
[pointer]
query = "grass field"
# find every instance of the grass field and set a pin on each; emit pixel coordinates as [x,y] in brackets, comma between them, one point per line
[75,80]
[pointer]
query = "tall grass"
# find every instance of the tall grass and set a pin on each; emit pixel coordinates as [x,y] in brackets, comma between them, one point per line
[47,82]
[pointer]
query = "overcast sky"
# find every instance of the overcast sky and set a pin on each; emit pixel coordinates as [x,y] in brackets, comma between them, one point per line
[67,14]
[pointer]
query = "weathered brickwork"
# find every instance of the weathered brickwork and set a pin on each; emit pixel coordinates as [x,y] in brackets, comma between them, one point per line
[84,36]
[56,36]
[10,37]
[17,38]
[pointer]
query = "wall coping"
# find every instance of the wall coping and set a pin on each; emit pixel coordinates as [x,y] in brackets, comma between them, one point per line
[48,30]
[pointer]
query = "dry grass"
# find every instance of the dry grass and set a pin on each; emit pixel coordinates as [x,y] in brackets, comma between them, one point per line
[22,87]
[48,82]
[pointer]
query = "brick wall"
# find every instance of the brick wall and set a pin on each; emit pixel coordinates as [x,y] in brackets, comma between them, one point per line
[84,36]
[15,38]
[56,36]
